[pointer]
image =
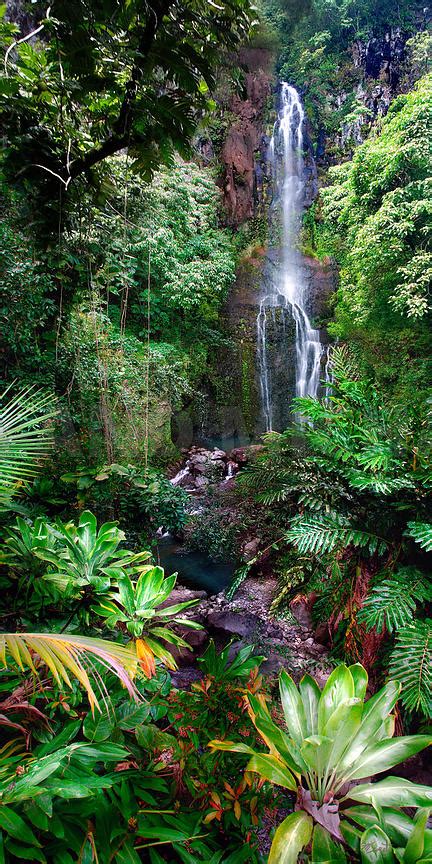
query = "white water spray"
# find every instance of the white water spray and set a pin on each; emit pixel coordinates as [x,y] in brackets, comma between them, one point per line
[287,289]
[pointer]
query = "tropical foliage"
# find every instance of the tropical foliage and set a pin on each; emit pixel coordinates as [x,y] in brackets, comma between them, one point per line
[361,491]
[126,126]
[334,737]
[111,77]
[376,210]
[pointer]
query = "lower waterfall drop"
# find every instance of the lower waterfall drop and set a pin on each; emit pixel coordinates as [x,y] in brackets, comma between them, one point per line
[287,290]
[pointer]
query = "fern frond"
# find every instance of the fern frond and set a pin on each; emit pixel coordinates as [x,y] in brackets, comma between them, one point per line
[343,363]
[411,664]
[239,577]
[421,532]
[321,536]
[392,602]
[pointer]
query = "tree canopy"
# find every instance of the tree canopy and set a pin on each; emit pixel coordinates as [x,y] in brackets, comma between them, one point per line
[92,78]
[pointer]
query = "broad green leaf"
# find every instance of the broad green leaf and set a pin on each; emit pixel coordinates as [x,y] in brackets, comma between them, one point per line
[293,834]
[324,848]
[98,728]
[344,732]
[273,770]
[352,835]
[279,743]
[392,792]
[386,754]
[338,688]
[360,678]
[14,825]
[293,709]
[127,594]
[415,846]
[397,824]
[25,853]
[375,847]
[130,714]
[310,695]
[127,854]
[375,714]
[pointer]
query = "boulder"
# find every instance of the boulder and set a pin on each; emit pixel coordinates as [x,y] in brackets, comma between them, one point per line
[201,481]
[218,454]
[250,548]
[239,624]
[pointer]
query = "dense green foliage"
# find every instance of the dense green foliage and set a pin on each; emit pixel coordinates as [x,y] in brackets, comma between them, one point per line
[116,263]
[105,76]
[360,487]
[377,221]
[140,279]
[316,42]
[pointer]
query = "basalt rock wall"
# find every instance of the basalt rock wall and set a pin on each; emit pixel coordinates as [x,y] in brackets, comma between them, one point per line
[245,145]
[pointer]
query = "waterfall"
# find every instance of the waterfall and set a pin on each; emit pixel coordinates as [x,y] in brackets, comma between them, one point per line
[287,289]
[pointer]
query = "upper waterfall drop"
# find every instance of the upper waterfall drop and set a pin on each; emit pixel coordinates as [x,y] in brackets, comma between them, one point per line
[287,289]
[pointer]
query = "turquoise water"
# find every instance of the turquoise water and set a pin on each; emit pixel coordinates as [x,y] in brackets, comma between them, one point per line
[195,569]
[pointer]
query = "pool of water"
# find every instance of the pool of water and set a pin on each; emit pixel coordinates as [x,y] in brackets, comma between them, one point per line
[195,569]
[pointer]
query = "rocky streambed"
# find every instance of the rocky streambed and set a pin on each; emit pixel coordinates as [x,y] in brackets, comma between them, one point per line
[289,641]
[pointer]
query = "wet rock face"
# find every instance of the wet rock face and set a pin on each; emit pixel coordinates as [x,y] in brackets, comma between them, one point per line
[383,57]
[245,143]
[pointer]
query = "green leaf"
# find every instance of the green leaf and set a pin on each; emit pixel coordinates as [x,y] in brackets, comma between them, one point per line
[127,594]
[98,728]
[14,825]
[324,848]
[375,847]
[422,534]
[273,770]
[392,792]
[310,695]
[293,834]
[127,854]
[415,846]
[360,678]
[397,824]
[375,712]
[293,709]
[131,714]
[411,663]
[26,853]
[386,754]
[338,688]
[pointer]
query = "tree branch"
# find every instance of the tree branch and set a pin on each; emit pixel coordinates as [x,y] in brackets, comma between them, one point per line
[122,126]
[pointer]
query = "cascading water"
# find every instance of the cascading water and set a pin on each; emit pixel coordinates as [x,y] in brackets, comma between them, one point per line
[286,289]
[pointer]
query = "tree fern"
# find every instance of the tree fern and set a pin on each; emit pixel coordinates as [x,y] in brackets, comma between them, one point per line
[411,663]
[421,533]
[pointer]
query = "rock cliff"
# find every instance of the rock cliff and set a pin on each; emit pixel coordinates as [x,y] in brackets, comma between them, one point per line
[244,148]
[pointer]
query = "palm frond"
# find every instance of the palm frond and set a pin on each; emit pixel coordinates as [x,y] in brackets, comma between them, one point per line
[25,439]
[411,663]
[69,656]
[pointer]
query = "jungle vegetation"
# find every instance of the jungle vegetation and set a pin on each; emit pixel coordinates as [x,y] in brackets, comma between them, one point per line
[116,261]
